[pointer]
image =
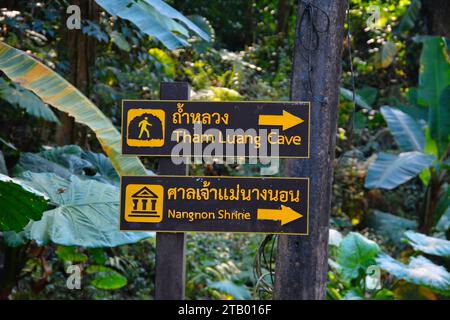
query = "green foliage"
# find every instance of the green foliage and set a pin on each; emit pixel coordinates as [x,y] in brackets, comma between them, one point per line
[354,274]
[70,254]
[15,239]
[86,214]
[443,223]
[410,18]
[222,273]
[166,62]
[348,94]
[70,160]
[429,245]
[355,254]
[120,41]
[434,80]
[200,45]
[230,288]
[389,171]
[156,19]
[24,99]
[406,131]
[19,204]
[386,55]
[250,60]
[36,77]
[106,278]
[390,226]
[420,271]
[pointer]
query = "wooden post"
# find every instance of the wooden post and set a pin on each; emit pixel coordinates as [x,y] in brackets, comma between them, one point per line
[301,269]
[170,275]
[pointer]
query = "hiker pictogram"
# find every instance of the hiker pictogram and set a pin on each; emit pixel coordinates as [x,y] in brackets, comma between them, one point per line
[145,127]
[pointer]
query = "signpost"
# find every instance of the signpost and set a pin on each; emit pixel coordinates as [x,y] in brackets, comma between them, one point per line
[156,127]
[171,266]
[172,203]
[215,204]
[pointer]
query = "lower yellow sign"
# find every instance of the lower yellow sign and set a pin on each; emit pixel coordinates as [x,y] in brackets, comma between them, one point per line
[214,204]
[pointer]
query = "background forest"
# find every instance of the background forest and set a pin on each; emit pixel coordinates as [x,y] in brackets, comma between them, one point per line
[60,146]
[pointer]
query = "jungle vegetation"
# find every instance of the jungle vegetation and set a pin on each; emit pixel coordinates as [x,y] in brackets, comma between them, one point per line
[60,102]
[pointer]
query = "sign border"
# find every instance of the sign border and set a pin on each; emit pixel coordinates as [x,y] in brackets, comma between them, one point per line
[220,177]
[122,126]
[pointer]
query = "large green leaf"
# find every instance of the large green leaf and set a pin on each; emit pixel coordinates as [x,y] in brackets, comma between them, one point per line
[26,100]
[429,245]
[348,95]
[87,214]
[156,19]
[420,271]
[434,80]
[19,204]
[389,171]
[389,226]
[56,91]
[68,160]
[355,254]
[368,94]
[415,112]
[409,19]
[70,254]
[104,170]
[106,278]
[406,131]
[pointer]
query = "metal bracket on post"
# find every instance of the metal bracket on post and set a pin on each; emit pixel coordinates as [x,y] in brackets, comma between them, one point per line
[170,278]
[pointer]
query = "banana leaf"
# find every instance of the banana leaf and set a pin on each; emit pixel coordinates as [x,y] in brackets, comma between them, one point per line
[56,91]
[406,131]
[389,170]
[156,19]
[434,88]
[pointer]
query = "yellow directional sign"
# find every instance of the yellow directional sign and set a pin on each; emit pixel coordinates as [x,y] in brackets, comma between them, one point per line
[285,214]
[286,120]
[215,204]
[243,129]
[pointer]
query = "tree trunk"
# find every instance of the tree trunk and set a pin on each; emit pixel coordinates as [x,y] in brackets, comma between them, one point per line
[437,13]
[248,24]
[81,56]
[283,14]
[301,270]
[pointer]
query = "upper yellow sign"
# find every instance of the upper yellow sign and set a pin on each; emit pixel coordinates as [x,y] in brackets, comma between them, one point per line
[224,129]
